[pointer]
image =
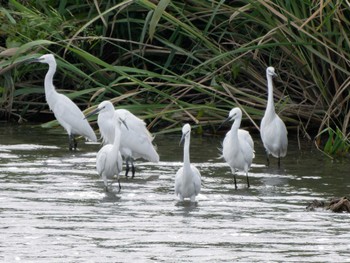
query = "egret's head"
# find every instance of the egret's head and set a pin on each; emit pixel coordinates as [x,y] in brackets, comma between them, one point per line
[47,58]
[270,71]
[104,106]
[186,132]
[234,114]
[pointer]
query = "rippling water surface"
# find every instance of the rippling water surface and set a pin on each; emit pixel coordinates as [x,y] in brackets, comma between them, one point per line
[53,207]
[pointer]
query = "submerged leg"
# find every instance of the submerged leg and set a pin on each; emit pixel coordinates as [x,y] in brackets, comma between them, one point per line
[127,168]
[279,161]
[105,182]
[193,198]
[267,159]
[129,159]
[120,187]
[234,178]
[72,142]
[132,168]
[248,180]
[75,143]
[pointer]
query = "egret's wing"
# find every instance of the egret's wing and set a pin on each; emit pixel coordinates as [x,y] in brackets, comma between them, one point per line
[226,151]
[101,161]
[274,137]
[244,135]
[136,139]
[134,123]
[283,137]
[71,117]
[178,180]
[196,179]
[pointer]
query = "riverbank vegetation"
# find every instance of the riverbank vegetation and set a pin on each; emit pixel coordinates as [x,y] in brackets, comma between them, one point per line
[184,61]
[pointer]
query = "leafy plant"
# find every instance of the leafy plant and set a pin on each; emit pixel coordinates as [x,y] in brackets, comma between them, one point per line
[176,61]
[337,143]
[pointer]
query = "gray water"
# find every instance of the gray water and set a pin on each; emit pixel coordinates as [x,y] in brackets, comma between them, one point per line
[53,207]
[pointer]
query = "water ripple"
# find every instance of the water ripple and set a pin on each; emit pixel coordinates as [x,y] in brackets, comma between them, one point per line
[54,209]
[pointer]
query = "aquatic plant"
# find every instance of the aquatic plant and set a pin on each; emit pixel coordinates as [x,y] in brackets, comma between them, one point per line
[173,61]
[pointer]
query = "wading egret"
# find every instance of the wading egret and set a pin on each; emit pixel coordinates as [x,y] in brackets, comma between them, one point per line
[238,146]
[136,141]
[188,178]
[66,112]
[109,161]
[273,131]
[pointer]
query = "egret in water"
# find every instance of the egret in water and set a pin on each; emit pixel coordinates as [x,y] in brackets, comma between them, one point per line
[273,131]
[66,112]
[238,146]
[136,141]
[109,161]
[188,177]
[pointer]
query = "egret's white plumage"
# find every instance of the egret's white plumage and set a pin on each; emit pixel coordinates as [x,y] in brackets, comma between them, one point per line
[188,177]
[66,111]
[273,131]
[109,161]
[136,141]
[238,146]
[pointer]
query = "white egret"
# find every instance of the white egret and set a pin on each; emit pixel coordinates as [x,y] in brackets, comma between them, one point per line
[66,111]
[188,177]
[136,141]
[109,161]
[238,146]
[273,131]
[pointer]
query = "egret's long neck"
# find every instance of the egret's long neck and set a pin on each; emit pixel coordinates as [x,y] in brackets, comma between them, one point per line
[49,87]
[236,124]
[116,142]
[234,130]
[270,104]
[187,152]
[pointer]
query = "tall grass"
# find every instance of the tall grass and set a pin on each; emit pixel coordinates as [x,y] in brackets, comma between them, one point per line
[175,61]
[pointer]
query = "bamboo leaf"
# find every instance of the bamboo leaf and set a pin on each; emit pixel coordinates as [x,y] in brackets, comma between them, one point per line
[157,14]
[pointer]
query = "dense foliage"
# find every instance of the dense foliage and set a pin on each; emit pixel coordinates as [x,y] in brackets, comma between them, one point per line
[176,61]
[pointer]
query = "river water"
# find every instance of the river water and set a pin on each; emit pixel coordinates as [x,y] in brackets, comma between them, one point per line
[53,207]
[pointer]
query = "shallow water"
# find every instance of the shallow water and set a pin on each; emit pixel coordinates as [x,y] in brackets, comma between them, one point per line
[53,207]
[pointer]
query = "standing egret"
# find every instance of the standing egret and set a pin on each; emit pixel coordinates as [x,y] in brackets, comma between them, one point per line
[109,161]
[238,146]
[136,141]
[66,112]
[188,178]
[273,131]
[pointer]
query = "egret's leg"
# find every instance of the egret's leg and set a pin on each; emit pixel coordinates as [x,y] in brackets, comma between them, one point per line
[120,187]
[72,142]
[75,143]
[279,161]
[193,198]
[132,168]
[104,177]
[234,178]
[267,159]
[127,168]
[248,180]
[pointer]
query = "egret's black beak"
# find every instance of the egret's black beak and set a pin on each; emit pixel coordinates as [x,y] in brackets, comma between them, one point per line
[224,122]
[97,110]
[32,60]
[124,123]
